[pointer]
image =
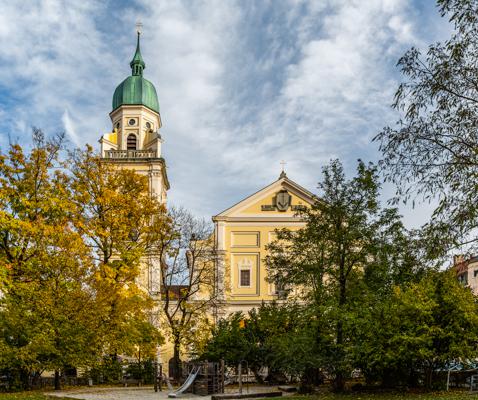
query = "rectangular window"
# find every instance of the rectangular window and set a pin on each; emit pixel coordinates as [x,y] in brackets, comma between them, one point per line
[245,278]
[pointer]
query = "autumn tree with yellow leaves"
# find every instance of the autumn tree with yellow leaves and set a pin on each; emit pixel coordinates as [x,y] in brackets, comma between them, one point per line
[73,236]
[117,218]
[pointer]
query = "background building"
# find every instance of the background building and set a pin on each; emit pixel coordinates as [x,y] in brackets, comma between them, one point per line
[467,271]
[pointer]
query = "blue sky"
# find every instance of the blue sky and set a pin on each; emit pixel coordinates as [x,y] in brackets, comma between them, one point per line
[242,85]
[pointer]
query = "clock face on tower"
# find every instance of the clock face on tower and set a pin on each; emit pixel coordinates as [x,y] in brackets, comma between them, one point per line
[148,125]
[131,122]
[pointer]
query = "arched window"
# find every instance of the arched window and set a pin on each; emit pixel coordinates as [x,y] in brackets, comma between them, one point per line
[131,142]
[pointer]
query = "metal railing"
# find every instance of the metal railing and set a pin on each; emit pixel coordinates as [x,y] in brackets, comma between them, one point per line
[124,154]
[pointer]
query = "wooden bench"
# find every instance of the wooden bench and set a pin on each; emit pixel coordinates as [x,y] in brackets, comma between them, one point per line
[132,381]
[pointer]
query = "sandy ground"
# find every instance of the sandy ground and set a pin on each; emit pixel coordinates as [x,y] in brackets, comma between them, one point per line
[143,393]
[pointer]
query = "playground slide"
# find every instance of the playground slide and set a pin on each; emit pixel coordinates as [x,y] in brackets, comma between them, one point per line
[186,384]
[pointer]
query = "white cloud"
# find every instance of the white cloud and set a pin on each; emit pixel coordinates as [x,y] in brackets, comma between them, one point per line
[70,129]
[333,98]
[53,57]
[241,85]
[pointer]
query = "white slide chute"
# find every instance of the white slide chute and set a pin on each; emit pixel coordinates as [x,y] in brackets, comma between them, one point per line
[190,379]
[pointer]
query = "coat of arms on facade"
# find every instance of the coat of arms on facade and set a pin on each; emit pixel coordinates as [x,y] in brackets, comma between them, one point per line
[282,202]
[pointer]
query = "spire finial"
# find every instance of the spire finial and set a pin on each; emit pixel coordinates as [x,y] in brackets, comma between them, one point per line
[137,64]
[139,27]
[283,174]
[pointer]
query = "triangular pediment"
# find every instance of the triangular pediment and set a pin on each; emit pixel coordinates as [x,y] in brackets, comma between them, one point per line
[280,199]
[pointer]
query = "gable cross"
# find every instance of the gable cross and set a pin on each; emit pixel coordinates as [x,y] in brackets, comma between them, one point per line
[283,164]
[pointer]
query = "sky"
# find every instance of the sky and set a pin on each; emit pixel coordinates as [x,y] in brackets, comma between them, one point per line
[242,85]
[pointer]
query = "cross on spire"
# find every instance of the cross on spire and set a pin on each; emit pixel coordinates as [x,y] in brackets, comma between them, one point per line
[139,27]
[137,64]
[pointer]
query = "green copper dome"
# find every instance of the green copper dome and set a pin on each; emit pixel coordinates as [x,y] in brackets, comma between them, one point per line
[136,90]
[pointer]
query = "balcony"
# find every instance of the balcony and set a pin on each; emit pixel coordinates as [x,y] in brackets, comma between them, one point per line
[130,154]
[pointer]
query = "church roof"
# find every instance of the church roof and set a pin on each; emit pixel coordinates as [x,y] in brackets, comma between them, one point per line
[136,90]
[283,183]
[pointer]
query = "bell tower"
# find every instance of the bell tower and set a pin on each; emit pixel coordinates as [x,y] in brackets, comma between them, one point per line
[135,140]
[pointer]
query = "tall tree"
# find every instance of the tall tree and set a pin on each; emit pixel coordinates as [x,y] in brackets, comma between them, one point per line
[46,309]
[432,152]
[75,241]
[189,294]
[327,258]
[117,218]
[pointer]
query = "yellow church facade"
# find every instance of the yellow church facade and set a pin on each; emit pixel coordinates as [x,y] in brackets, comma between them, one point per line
[242,233]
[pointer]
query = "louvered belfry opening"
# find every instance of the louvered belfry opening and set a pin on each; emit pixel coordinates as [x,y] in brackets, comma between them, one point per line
[131,142]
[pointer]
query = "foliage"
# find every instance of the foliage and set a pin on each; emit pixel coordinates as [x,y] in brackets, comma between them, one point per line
[228,341]
[420,327]
[143,370]
[72,238]
[431,153]
[189,294]
[346,235]
[118,220]
[262,338]
[108,370]
[46,310]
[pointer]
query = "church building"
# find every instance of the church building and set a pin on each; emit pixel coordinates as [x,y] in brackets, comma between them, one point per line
[135,141]
[242,231]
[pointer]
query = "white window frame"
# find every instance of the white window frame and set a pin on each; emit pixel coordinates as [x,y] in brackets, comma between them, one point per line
[245,265]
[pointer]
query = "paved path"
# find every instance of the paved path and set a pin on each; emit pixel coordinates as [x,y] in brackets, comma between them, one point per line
[141,393]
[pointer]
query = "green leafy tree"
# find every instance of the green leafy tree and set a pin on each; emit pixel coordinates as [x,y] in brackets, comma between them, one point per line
[262,338]
[431,153]
[326,260]
[420,327]
[228,341]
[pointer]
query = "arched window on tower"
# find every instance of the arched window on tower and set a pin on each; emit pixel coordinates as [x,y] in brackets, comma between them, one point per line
[131,142]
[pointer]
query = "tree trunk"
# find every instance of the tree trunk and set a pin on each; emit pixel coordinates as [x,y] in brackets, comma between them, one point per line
[429,377]
[339,381]
[176,360]
[57,380]
[259,378]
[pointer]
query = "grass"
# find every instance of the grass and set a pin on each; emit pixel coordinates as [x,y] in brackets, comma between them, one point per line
[27,396]
[452,395]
